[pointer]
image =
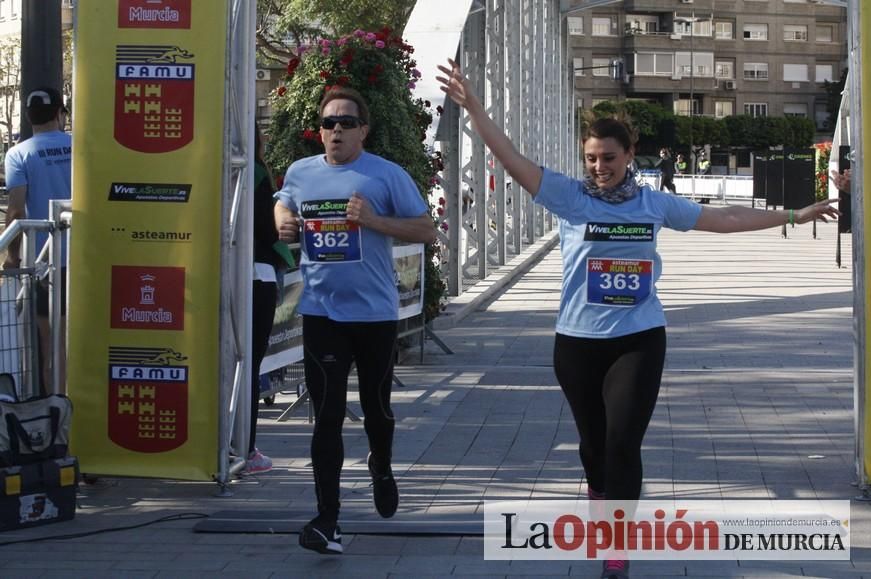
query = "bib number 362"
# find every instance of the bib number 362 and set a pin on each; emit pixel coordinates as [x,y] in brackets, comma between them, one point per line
[618,282]
[332,240]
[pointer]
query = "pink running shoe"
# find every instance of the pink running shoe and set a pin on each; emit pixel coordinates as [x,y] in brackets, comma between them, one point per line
[615,569]
[257,462]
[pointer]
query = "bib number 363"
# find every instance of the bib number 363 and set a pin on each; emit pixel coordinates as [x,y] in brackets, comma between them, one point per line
[332,240]
[618,282]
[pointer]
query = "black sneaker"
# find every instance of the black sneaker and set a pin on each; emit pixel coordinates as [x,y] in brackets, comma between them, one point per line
[325,538]
[384,490]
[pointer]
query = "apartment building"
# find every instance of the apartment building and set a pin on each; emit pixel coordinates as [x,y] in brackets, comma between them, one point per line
[712,57]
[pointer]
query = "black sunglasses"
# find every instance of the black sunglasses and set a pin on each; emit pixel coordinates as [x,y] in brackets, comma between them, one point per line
[345,121]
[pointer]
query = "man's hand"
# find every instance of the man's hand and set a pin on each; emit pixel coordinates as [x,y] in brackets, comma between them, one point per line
[359,211]
[287,223]
[288,230]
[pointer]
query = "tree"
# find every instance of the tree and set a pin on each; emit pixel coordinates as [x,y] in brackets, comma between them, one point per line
[10,86]
[283,26]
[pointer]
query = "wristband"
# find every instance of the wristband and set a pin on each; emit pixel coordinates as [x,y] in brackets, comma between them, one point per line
[791,217]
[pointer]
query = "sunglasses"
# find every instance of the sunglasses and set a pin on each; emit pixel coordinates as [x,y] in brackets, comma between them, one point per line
[345,121]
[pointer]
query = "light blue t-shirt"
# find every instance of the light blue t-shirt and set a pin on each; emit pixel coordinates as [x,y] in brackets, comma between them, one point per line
[610,262]
[42,163]
[348,270]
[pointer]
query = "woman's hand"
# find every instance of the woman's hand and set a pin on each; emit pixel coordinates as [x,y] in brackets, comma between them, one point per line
[842,180]
[456,85]
[819,210]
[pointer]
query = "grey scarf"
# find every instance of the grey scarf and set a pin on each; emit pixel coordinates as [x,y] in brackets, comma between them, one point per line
[624,192]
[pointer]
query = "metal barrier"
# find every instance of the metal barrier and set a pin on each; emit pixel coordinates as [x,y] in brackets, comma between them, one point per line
[723,188]
[19,337]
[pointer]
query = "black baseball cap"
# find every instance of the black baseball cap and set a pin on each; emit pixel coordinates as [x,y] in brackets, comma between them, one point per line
[45,97]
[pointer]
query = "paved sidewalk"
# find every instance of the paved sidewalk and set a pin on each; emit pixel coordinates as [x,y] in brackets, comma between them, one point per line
[758,381]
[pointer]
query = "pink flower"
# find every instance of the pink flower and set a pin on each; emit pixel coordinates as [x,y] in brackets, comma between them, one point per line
[359,33]
[326,43]
[342,41]
[416,73]
[444,226]
[411,85]
[440,211]
[370,36]
[379,44]
[325,50]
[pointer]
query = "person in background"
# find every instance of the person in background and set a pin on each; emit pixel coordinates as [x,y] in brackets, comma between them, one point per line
[346,207]
[267,265]
[39,170]
[666,169]
[704,164]
[610,345]
[842,180]
[680,166]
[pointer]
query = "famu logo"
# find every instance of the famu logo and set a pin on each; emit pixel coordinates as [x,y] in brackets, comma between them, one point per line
[148,398]
[154,13]
[324,208]
[168,193]
[154,97]
[619,232]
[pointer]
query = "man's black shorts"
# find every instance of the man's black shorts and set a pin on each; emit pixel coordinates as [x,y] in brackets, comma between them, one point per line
[42,295]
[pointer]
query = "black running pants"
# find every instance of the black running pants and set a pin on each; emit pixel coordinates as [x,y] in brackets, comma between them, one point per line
[611,386]
[330,349]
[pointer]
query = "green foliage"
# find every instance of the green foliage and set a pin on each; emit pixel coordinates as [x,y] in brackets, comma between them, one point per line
[379,66]
[284,25]
[821,181]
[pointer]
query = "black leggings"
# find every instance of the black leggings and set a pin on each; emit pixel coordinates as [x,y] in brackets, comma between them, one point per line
[611,386]
[330,348]
[264,298]
[668,184]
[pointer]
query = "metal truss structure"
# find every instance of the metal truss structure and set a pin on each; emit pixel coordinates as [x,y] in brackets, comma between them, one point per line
[515,54]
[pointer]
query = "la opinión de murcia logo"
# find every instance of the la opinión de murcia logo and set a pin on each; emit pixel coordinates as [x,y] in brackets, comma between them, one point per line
[154,14]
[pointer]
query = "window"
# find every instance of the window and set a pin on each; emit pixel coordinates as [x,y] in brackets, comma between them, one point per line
[699,27]
[637,24]
[703,61]
[724,109]
[724,69]
[724,30]
[602,67]
[682,107]
[578,65]
[825,33]
[602,26]
[824,73]
[756,109]
[821,116]
[580,103]
[794,32]
[755,71]
[654,64]
[795,110]
[795,73]
[755,32]
[576,26]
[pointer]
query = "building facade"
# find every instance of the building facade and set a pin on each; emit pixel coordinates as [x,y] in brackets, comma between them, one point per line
[712,57]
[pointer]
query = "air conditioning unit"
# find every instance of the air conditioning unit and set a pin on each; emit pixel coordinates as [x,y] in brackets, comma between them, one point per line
[686,1]
[263,74]
[731,85]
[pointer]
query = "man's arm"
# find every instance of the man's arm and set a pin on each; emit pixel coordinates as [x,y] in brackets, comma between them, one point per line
[418,229]
[15,210]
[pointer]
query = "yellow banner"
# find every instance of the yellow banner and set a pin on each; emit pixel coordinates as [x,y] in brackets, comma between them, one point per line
[146,240]
[864,76]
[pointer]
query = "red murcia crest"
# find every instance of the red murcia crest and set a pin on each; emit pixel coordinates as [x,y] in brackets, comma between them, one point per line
[154,98]
[148,399]
[154,13]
